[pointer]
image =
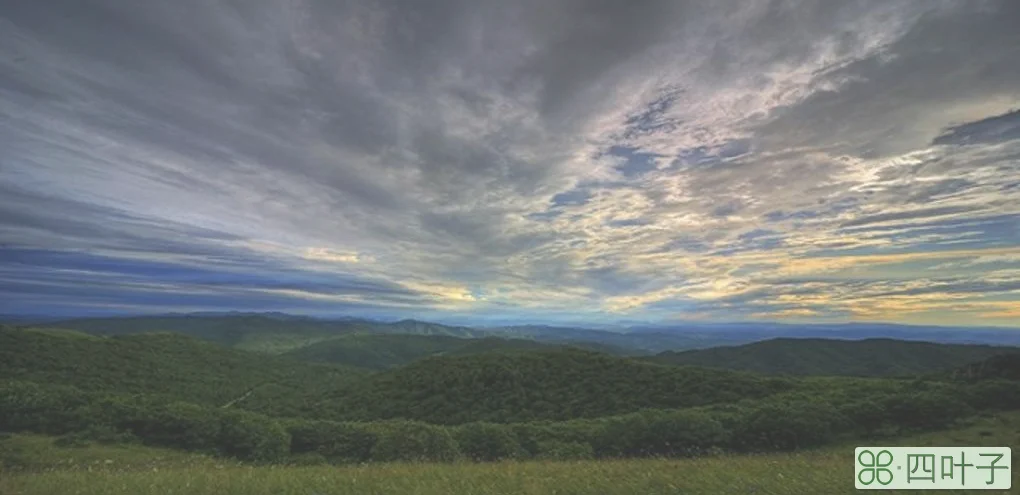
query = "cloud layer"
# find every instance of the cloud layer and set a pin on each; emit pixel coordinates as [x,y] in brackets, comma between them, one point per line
[788,160]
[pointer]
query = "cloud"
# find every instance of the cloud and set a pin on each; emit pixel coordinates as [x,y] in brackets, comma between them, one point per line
[499,160]
[324,254]
[996,129]
[788,313]
[919,213]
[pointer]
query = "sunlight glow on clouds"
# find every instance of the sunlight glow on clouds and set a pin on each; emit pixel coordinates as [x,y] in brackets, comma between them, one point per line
[324,254]
[655,159]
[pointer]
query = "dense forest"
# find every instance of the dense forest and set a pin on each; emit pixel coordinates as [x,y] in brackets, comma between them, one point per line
[541,385]
[383,351]
[446,398]
[164,364]
[272,333]
[867,357]
[276,333]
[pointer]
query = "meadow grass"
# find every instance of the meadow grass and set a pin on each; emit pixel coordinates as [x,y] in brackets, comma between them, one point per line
[38,454]
[137,470]
[759,475]
[809,473]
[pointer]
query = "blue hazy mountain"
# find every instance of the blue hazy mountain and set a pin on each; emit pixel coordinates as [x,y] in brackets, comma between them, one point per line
[280,332]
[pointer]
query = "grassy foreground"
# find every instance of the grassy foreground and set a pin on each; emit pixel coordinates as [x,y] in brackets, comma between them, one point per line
[829,473]
[136,470]
[785,474]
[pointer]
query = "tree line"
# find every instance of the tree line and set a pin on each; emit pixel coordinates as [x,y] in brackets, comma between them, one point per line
[778,423]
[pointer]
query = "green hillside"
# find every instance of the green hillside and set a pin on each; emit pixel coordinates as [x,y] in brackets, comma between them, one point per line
[37,466]
[280,333]
[376,351]
[998,367]
[271,334]
[416,327]
[498,344]
[248,332]
[169,390]
[384,351]
[170,365]
[641,342]
[869,357]
[542,385]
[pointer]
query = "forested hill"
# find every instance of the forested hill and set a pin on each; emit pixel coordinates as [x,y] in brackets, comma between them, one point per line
[249,332]
[542,385]
[279,333]
[869,357]
[267,333]
[375,351]
[494,381]
[998,367]
[173,390]
[163,364]
[384,351]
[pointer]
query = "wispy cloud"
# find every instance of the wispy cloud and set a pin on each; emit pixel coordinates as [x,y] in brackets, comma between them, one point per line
[654,159]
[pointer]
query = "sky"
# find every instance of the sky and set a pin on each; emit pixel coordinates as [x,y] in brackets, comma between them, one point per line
[525,161]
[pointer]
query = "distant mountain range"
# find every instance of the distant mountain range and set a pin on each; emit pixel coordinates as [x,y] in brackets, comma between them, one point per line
[281,332]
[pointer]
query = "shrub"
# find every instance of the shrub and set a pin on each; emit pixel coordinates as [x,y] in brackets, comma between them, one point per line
[413,441]
[120,413]
[562,451]
[660,433]
[530,436]
[178,425]
[343,442]
[53,410]
[1000,395]
[866,416]
[926,410]
[487,442]
[251,436]
[787,426]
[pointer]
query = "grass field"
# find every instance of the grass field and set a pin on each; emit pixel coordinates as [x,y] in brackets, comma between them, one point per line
[134,470]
